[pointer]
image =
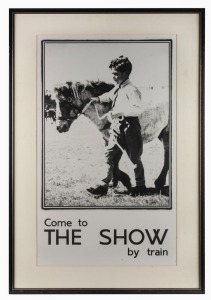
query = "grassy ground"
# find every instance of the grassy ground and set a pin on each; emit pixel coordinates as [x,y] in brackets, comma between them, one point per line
[74,161]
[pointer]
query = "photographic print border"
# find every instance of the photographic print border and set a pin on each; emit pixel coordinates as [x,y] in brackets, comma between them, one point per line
[201,196]
[106,41]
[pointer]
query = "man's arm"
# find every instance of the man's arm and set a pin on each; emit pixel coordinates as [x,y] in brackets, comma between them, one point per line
[107,97]
[135,108]
[104,98]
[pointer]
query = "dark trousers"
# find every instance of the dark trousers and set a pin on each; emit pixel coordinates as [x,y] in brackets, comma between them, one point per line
[130,139]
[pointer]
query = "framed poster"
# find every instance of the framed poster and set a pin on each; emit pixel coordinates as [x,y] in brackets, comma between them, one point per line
[103,180]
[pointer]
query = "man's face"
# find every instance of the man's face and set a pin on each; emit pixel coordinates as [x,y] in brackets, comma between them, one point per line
[118,76]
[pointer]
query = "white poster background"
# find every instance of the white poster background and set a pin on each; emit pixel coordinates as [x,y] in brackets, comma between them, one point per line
[151,66]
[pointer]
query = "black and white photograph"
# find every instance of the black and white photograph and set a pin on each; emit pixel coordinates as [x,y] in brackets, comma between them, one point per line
[107,122]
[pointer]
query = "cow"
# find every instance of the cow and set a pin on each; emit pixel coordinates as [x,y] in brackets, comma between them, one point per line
[74,99]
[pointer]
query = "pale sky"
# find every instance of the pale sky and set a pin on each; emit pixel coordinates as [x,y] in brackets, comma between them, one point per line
[68,61]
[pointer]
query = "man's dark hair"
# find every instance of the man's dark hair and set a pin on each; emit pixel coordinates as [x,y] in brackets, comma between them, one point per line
[121,64]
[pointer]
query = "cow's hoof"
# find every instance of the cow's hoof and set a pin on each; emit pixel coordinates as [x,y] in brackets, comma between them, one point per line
[138,191]
[159,183]
[113,184]
[165,191]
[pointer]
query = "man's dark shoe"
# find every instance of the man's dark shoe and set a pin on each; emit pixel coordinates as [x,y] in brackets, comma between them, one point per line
[138,191]
[99,190]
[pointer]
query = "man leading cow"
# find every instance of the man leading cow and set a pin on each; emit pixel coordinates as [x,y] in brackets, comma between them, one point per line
[125,131]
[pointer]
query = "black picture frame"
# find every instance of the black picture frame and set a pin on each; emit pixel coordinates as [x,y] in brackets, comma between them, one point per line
[201,196]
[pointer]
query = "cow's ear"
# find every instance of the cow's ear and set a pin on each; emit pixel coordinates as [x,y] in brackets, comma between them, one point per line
[89,87]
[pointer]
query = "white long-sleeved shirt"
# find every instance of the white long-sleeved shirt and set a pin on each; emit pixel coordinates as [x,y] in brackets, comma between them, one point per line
[127,99]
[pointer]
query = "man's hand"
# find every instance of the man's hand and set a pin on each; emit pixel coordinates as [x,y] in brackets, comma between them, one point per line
[95,99]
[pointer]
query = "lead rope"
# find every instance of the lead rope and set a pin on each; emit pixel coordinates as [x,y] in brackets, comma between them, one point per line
[101,118]
[87,106]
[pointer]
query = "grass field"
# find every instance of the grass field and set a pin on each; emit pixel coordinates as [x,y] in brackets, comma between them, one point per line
[74,161]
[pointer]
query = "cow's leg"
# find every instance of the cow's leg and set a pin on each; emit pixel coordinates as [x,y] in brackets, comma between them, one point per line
[119,175]
[164,138]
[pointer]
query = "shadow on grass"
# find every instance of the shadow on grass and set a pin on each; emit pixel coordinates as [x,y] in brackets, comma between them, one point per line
[149,192]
